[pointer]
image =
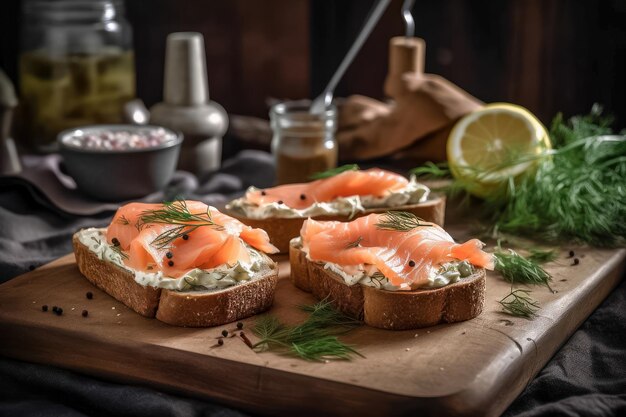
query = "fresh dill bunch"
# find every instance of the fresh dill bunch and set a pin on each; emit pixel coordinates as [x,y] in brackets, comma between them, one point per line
[176,213]
[400,221]
[315,339]
[519,303]
[334,171]
[519,270]
[576,193]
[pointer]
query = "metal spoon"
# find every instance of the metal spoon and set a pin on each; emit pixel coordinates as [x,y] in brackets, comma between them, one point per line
[408,18]
[324,100]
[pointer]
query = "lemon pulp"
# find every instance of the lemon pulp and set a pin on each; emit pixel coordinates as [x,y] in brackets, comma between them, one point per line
[500,141]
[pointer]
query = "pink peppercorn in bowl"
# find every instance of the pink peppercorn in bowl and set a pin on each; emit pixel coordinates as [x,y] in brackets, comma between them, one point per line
[120,162]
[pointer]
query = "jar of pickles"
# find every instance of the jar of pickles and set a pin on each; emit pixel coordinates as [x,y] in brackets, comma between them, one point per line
[76,67]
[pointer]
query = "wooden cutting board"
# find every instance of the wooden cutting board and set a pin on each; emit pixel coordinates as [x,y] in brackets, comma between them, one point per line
[476,367]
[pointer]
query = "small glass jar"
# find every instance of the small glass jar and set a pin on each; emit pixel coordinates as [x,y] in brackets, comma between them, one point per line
[76,67]
[303,143]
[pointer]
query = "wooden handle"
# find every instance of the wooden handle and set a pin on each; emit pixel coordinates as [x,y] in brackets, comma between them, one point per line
[405,55]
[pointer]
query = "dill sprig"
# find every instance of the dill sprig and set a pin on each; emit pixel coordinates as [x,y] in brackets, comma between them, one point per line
[190,286]
[315,339]
[400,221]
[542,256]
[123,220]
[576,193]
[355,244]
[334,171]
[176,213]
[519,303]
[519,270]
[119,251]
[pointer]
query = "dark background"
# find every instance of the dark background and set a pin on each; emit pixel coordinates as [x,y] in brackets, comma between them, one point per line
[546,55]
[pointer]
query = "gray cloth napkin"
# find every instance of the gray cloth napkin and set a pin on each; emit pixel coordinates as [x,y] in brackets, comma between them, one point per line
[43,176]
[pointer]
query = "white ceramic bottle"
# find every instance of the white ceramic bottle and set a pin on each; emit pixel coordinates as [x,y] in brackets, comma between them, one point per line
[186,106]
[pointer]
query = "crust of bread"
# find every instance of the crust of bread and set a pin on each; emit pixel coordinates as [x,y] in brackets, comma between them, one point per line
[393,310]
[281,230]
[189,309]
[116,281]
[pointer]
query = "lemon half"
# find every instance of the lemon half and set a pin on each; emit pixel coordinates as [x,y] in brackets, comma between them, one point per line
[493,144]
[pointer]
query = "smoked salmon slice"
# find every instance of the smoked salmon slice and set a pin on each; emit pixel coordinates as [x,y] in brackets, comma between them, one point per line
[406,257]
[177,237]
[375,182]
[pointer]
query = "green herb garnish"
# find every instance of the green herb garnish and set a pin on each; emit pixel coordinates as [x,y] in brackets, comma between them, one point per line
[379,278]
[542,256]
[519,270]
[356,243]
[576,193]
[192,286]
[334,171]
[518,303]
[400,221]
[123,220]
[119,251]
[315,339]
[176,213]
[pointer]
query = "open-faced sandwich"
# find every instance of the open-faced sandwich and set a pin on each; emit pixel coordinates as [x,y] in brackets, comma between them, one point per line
[183,262]
[349,194]
[392,270]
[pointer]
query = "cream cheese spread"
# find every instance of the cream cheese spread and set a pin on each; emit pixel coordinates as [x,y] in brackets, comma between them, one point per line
[218,278]
[413,193]
[369,275]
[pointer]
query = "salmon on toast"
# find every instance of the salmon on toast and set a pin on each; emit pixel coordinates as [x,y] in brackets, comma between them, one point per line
[353,193]
[393,270]
[184,262]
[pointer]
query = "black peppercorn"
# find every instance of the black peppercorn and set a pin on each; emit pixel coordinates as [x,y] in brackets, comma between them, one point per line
[302,197]
[224,333]
[44,308]
[263,193]
[169,255]
[170,263]
[411,263]
[85,313]
[185,236]
[576,261]
[239,325]
[571,254]
[280,201]
[89,295]
[220,342]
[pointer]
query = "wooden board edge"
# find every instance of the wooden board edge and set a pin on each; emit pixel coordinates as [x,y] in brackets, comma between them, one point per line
[251,388]
[493,398]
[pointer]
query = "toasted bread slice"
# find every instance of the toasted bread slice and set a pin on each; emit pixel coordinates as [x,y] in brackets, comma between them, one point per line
[282,230]
[191,309]
[393,310]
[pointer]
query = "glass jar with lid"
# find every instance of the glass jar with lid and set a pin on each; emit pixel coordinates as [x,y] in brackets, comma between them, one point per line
[302,143]
[76,67]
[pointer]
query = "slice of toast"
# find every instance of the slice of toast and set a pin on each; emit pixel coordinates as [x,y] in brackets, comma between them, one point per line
[393,310]
[190,309]
[282,230]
